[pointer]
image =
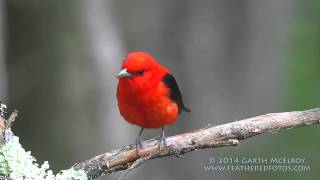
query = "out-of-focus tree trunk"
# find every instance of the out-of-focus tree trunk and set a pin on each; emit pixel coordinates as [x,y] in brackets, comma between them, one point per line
[235,44]
[105,52]
[3,70]
[232,60]
[52,83]
[63,84]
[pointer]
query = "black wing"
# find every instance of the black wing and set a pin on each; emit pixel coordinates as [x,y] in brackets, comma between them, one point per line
[175,93]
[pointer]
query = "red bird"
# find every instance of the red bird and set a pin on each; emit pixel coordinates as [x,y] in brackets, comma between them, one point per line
[148,95]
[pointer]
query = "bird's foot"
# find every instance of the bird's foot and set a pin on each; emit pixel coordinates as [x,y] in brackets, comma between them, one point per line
[138,145]
[138,142]
[164,143]
[162,138]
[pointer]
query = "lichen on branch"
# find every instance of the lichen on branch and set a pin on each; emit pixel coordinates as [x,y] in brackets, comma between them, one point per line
[16,163]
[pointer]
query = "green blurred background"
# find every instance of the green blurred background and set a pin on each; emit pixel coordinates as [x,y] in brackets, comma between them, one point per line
[233,59]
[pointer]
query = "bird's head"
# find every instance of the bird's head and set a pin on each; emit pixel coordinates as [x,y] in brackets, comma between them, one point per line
[141,69]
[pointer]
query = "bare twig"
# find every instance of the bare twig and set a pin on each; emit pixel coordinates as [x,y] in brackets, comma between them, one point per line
[2,129]
[210,137]
[5,124]
[11,119]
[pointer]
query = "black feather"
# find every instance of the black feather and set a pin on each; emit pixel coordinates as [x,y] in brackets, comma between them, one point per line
[175,93]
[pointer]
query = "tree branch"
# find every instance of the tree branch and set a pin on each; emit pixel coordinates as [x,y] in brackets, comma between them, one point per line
[13,156]
[223,135]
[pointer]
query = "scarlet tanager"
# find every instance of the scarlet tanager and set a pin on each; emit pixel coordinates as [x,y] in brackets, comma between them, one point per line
[148,95]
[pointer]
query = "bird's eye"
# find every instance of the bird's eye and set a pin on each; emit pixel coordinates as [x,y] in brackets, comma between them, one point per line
[141,72]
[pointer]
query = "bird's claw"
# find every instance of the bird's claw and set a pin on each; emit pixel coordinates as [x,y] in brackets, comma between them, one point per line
[138,142]
[138,145]
[164,143]
[162,138]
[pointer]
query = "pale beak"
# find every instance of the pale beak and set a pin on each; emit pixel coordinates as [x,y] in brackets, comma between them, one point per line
[123,74]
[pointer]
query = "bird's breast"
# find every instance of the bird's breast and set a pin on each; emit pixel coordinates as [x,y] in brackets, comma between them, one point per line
[149,108]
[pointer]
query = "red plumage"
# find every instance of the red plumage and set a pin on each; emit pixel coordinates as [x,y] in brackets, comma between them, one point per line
[147,93]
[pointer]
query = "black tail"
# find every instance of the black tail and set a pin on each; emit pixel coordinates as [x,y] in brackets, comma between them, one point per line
[185,109]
